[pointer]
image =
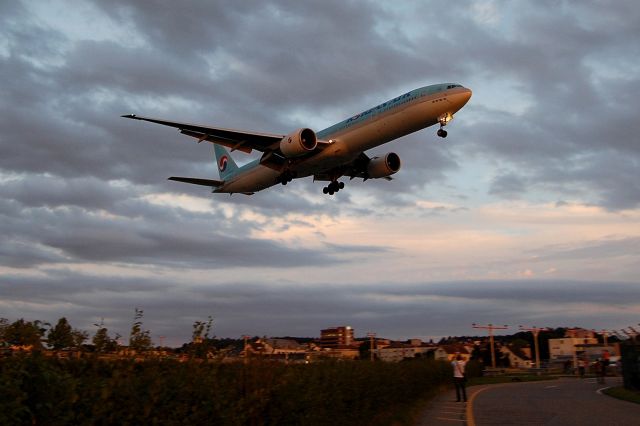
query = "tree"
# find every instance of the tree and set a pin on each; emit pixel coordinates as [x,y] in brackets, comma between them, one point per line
[201,342]
[79,337]
[4,324]
[61,335]
[139,339]
[24,333]
[102,342]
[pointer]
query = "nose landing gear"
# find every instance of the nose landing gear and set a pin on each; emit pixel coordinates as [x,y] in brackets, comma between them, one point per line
[444,119]
[333,187]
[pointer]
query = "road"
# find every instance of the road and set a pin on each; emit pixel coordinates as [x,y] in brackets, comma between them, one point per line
[565,401]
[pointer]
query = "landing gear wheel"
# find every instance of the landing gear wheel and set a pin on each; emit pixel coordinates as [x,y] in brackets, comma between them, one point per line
[286,177]
[442,133]
[333,187]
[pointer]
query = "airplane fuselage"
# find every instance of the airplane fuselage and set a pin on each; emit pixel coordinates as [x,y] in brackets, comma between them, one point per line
[400,116]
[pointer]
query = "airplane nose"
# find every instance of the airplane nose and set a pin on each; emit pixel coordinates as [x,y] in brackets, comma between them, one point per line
[467,94]
[464,97]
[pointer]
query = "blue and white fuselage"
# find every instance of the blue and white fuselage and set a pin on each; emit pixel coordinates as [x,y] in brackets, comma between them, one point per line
[329,154]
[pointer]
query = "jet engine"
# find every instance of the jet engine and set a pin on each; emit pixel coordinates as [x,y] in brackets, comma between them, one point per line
[380,167]
[298,143]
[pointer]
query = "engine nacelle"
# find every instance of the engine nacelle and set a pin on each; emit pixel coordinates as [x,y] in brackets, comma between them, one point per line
[380,167]
[298,143]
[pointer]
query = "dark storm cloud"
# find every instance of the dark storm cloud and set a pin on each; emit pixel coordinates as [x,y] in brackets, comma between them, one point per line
[72,234]
[392,310]
[72,126]
[578,114]
[49,191]
[20,254]
[292,54]
[508,184]
[319,56]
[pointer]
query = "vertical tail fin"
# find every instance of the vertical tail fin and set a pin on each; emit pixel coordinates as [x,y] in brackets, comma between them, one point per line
[226,166]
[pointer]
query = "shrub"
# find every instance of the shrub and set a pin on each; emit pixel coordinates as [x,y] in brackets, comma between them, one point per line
[39,390]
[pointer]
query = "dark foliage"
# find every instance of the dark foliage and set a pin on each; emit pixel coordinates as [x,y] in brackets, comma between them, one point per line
[39,390]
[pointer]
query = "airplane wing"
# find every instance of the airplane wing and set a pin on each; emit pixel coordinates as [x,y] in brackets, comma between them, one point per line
[195,181]
[234,139]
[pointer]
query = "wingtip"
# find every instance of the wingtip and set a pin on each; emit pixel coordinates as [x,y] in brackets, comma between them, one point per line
[129,116]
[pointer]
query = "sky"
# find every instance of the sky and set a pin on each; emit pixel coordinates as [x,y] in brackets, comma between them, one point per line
[528,213]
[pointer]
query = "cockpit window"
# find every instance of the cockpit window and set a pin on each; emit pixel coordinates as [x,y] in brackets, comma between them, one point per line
[451,86]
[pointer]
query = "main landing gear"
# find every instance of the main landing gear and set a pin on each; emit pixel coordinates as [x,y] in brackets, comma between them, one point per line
[286,177]
[442,132]
[333,187]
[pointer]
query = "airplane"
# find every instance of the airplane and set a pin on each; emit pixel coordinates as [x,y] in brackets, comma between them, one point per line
[329,154]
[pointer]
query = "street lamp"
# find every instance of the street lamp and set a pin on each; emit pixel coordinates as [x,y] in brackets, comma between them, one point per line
[246,338]
[535,331]
[371,337]
[491,327]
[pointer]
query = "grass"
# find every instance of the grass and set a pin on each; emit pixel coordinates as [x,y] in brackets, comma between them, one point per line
[624,394]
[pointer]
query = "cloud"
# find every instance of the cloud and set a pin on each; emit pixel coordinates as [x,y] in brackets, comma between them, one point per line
[591,250]
[91,226]
[402,311]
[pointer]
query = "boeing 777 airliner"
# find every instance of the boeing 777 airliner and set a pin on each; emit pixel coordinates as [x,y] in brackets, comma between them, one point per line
[329,154]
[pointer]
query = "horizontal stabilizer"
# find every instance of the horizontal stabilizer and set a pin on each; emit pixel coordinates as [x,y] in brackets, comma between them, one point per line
[196,181]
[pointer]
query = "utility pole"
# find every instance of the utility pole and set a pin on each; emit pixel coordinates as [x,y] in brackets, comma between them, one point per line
[491,327]
[371,337]
[535,331]
[246,338]
[572,334]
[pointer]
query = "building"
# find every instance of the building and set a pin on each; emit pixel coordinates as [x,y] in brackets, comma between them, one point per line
[267,346]
[518,357]
[340,352]
[569,346]
[336,336]
[397,351]
[450,352]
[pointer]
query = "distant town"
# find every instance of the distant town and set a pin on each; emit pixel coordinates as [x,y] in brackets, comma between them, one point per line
[529,348]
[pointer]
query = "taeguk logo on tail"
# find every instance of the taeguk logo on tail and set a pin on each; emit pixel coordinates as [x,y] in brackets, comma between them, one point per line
[222,164]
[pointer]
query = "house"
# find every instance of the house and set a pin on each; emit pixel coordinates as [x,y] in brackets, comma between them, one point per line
[397,351]
[270,347]
[450,352]
[349,352]
[518,357]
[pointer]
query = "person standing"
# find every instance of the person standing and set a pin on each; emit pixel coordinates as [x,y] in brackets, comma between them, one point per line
[582,366]
[459,379]
[600,370]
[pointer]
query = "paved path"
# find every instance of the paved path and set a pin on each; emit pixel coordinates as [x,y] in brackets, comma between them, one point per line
[556,402]
[443,410]
[559,402]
